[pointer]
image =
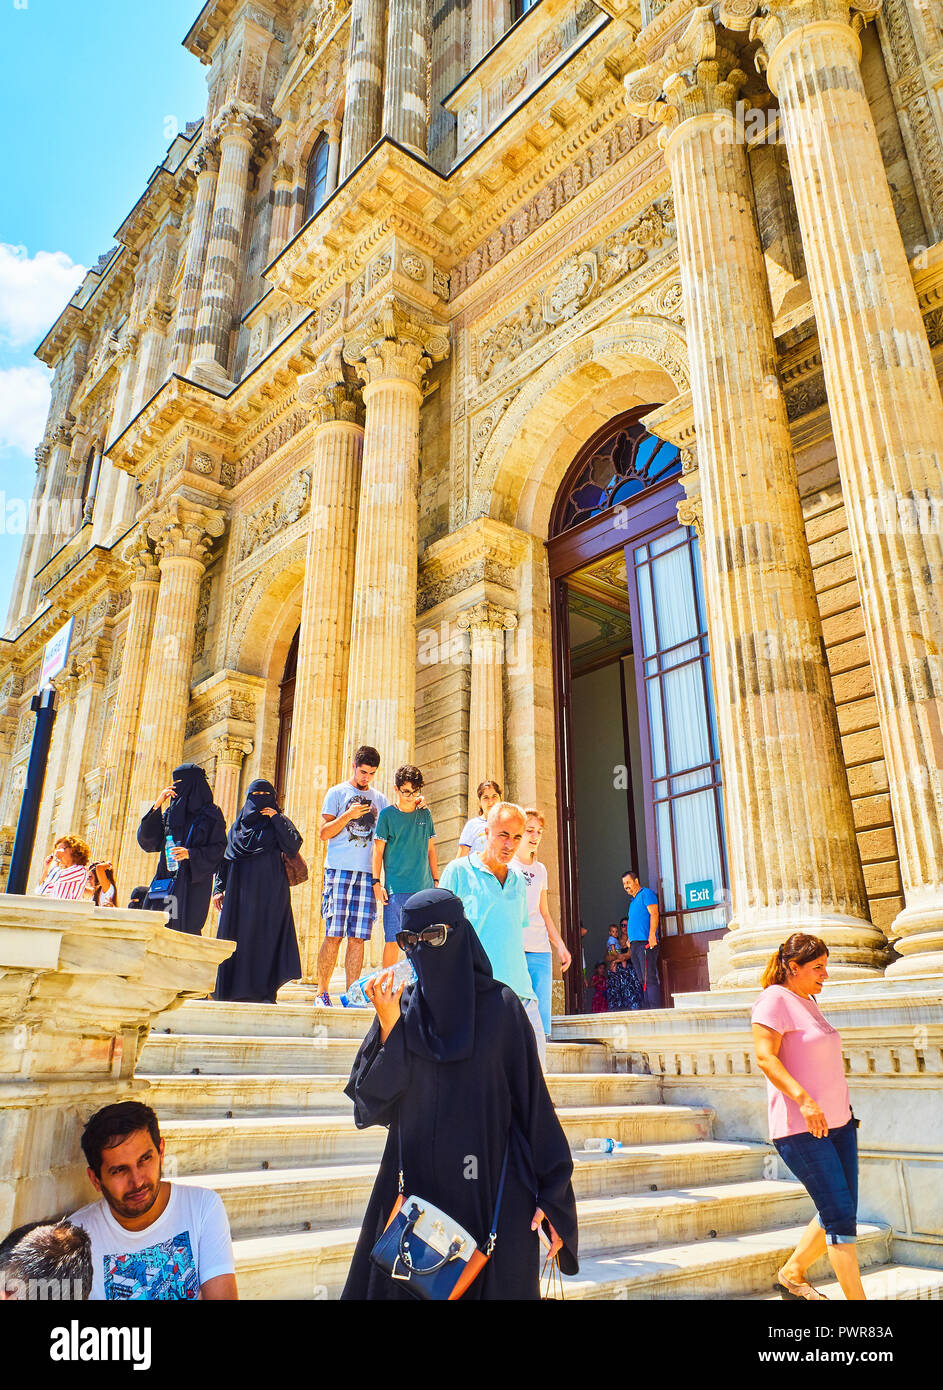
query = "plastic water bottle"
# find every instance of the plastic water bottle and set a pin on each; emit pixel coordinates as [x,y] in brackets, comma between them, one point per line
[170,844]
[356,996]
[602,1146]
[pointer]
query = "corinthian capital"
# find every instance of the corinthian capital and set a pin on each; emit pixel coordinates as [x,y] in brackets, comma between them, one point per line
[327,393]
[231,751]
[697,76]
[487,615]
[141,560]
[185,530]
[772,21]
[234,121]
[205,159]
[395,342]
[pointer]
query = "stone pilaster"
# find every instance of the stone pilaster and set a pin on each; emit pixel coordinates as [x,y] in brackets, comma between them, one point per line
[230,753]
[21,581]
[283,207]
[406,90]
[333,131]
[319,755]
[486,624]
[391,351]
[887,417]
[363,103]
[50,534]
[150,358]
[792,855]
[122,736]
[205,165]
[235,130]
[91,670]
[46,825]
[182,535]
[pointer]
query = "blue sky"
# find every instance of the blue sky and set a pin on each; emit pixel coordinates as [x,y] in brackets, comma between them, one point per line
[94,91]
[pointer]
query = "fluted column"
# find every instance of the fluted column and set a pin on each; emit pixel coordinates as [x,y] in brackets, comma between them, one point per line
[283,207]
[391,351]
[88,510]
[182,535]
[21,581]
[333,130]
[363,99]
[792,853]
[80,756]
[46,826]
[53,521]
[486,624]
[887,418]
[205,165]
[150,358]
[122,736]
[319,756]
[235,129]
[406,90]
[231,753]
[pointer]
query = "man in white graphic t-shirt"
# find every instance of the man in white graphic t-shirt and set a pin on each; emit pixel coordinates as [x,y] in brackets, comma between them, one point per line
[151,1239]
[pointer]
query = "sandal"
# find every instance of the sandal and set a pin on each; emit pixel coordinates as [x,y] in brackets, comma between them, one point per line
[804,1292]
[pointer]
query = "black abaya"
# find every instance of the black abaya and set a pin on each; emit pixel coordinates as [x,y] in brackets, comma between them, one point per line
[196,823]
[256,911]
[455,1118]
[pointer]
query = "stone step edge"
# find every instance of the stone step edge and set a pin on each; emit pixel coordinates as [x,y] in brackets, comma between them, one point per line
[565,1112]
[336,1078]
[920,1275]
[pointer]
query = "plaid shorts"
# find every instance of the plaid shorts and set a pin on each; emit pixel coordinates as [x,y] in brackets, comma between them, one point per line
[347,903]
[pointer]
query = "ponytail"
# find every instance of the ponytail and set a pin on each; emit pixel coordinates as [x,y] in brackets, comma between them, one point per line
[799,949]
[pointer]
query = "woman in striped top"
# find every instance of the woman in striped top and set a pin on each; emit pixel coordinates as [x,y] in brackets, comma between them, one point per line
[66,869]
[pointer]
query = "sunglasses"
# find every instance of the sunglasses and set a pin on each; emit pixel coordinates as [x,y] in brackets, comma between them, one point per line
[431,936]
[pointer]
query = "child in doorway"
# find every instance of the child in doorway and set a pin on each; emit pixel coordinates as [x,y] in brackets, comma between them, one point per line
[404,847]
[473,838]
[540,934]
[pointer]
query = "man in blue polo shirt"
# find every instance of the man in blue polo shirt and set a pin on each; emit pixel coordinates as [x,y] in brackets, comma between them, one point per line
[643,937]
[494,896]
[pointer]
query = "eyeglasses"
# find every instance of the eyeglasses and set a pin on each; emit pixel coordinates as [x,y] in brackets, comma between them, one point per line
[430,936]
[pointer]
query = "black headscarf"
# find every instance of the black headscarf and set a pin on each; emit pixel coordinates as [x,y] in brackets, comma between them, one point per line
[439,1016]
[138,895]
[193,793]
[250,832]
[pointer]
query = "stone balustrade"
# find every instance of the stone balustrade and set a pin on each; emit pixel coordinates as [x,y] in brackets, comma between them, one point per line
[79,989]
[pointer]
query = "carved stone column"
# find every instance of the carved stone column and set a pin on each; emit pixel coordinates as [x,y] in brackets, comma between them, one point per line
[333,131]
[363,103]
[391,350]
[150,358]
[792,853]
[47,824]
[318,753]
[406,91]
[486,624]
[80,756]
[53,523]
[283,208]
[182,536]
[887,417]
[26,549]
[231,753]
[235,130]
[205,165]
[122,736]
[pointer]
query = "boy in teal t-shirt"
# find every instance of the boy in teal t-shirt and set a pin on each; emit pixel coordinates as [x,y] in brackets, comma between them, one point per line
[404,846]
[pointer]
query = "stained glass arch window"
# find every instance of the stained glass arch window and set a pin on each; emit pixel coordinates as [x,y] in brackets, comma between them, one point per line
[621,462]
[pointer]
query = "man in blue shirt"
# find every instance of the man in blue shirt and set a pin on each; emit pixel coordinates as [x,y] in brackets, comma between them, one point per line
[643,937]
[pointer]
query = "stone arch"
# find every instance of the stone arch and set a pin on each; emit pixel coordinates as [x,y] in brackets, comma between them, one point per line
[266,605]
[629,361]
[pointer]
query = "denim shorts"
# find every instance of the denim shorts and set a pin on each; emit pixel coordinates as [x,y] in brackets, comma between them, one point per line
[393,915]
[828,1170]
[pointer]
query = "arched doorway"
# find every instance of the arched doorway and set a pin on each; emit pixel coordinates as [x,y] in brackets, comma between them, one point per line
[286,705]
[638,770]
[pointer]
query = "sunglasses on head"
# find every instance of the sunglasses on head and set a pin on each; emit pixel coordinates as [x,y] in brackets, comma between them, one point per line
[430,936]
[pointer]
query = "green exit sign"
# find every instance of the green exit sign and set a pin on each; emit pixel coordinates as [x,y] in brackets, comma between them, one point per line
[699,894]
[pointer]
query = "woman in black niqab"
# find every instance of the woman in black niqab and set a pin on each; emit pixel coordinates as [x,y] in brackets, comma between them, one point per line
[194,822]
[459,1073]
[252,890]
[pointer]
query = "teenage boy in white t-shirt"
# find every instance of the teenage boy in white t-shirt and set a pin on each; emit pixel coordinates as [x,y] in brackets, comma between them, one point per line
[151,1240]
[540,933]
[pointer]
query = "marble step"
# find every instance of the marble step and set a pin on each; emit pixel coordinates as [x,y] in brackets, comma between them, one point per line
[884,1283]
[735,1266]
[314,1265]
[207,1017]
[242,1094]
[331,1194]
[318,1198]
[211,1054]
[245,1142]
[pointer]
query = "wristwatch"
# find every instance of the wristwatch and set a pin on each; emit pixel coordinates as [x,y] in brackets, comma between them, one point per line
[376,881]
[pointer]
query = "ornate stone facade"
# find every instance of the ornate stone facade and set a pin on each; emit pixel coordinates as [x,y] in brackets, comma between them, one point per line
[341,404]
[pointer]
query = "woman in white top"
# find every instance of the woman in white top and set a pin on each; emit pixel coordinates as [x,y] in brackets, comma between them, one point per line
[540,934]
[472,838]
[101,886]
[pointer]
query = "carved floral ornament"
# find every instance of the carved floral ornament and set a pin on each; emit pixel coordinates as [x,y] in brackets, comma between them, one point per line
[283,510]
[579,280]
[327,393]
[185,530]
[395,341]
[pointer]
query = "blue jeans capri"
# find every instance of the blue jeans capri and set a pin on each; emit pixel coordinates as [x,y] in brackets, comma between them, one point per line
[540,970]
[393,915]
[828,1170]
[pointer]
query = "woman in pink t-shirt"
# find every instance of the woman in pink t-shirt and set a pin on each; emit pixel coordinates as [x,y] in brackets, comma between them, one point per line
[810,1119]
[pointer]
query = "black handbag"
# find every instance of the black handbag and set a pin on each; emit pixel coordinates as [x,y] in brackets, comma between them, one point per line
[424,1249]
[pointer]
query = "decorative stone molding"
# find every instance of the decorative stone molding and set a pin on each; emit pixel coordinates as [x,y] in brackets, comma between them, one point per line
[230,751]
[481,556]
[698,76]
[327,393]
[258,527]
[141,560]
[487,615]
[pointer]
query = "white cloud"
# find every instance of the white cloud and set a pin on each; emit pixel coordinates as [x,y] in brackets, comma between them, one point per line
[24,405]
[34,290]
